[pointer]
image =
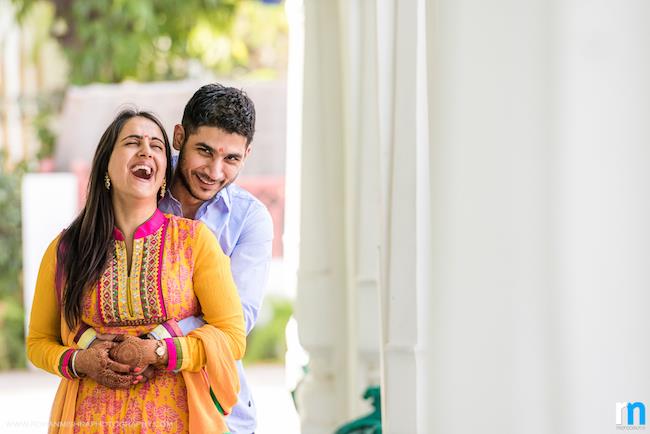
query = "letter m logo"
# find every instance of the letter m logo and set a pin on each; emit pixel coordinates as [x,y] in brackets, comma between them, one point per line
[631,408]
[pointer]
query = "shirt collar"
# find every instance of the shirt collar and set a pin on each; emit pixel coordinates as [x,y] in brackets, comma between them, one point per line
[147,228]
[224,194]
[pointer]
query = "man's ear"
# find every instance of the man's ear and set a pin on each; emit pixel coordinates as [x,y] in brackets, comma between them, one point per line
[247,152]
[179,136]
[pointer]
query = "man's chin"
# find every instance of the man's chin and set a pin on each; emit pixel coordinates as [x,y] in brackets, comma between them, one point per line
[205,195]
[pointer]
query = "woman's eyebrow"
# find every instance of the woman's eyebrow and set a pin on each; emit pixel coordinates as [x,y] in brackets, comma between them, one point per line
[139,137]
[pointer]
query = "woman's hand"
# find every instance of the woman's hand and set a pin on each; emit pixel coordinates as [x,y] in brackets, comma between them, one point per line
[141,373]
[142,355]
[96,364]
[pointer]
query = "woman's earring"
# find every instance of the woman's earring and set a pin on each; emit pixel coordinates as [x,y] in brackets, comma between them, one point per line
[107,181]
[163,188]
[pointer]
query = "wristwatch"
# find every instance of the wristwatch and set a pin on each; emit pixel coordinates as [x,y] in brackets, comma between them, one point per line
[161,350]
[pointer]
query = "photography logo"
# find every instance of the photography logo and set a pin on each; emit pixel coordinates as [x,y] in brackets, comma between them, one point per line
[630,415]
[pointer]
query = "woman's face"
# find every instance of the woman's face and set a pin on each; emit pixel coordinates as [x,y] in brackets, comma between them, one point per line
[138,162]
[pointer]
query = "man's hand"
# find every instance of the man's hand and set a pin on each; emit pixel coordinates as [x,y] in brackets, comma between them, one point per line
[96,364]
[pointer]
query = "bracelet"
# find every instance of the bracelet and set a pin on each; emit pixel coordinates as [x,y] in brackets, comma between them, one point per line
[74,357]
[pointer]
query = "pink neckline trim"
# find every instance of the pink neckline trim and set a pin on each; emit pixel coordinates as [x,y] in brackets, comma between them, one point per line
[145,229]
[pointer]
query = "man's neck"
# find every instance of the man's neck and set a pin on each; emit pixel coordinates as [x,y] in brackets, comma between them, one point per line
[189,204]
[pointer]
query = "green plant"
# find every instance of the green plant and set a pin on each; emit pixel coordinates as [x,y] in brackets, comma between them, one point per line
[12,338]
[109,41]
[11,311]
[266,342]
[42,110]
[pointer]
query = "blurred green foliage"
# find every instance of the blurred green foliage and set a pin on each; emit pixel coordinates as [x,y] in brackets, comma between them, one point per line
[110,41]
[12,346]
[12,338]
[43,109]
[266,342]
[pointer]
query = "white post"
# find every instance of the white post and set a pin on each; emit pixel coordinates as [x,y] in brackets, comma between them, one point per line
[321,306]
[492,339]
[49,204]
[406,222]
[362,204]
[340,225]
[604,209]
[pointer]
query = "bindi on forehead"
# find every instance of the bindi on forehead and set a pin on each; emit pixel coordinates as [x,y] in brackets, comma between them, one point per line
[221,149]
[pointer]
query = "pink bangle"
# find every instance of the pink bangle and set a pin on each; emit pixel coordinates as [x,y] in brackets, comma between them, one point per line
[171,354]
[64,365]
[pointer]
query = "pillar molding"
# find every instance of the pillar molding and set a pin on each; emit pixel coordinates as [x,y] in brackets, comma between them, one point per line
[405,223]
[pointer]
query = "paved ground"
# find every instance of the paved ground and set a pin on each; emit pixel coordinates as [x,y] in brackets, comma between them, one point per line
[26,398]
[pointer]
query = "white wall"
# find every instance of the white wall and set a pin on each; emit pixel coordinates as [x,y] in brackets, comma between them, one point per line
[49,204]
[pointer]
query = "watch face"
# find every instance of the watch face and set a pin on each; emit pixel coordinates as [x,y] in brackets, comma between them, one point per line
[160,350]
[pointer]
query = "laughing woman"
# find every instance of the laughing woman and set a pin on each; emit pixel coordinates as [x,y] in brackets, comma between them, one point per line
[124,268]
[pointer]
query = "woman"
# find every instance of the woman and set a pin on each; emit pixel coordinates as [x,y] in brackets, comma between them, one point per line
[125,268]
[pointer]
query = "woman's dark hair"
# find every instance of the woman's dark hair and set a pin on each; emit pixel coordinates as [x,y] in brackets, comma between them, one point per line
[87,244]
[215,105]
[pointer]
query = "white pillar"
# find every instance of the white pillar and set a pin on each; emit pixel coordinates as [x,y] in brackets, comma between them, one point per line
[604,209]
[362,191]
[321,304]
[540,207]
[492,364]
[338,281]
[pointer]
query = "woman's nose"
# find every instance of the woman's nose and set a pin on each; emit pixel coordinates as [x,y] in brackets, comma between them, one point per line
[145,146]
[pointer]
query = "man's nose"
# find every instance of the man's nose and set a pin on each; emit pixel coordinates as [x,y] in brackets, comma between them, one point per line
[216,170]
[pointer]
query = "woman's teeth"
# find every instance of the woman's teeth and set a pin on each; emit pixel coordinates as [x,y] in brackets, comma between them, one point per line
[142,171]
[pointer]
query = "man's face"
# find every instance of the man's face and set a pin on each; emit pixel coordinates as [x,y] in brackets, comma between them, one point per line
[209,160]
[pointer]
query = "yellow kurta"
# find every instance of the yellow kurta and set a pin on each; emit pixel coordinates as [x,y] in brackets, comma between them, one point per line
[178,270]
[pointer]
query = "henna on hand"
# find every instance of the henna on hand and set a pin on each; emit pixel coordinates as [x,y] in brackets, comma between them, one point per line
[96,364]
[129,351]
[137,353]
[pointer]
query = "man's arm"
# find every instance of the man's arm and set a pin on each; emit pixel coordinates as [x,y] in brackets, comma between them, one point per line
[250,262]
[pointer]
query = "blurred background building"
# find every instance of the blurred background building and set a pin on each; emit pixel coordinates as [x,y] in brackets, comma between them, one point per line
[465,198]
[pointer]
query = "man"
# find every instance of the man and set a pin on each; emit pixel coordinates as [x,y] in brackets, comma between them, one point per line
[214,140]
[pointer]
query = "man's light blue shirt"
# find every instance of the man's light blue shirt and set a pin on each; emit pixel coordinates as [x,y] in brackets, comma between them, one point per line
[243,226]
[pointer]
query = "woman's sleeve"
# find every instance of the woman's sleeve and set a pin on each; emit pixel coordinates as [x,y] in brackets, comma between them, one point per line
[220,303]
[44,346]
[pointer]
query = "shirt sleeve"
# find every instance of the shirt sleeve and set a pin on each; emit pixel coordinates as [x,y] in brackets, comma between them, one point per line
[250,261]
[45,348]
[216,291]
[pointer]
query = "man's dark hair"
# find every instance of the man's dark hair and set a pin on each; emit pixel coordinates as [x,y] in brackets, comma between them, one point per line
[215,105]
